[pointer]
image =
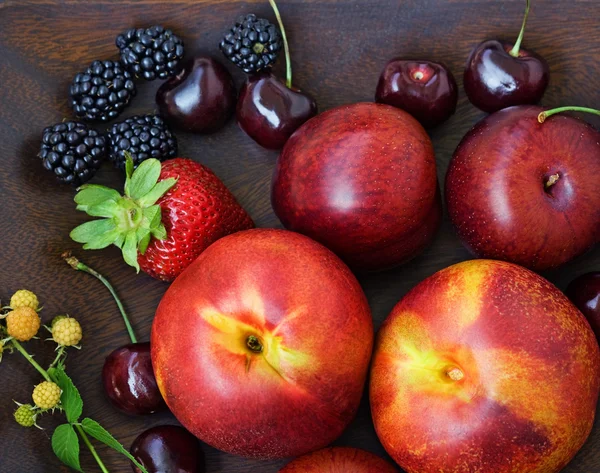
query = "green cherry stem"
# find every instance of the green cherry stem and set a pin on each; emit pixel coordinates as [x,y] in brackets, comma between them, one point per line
[86,440]
[548,113]
[286,47]
[29,358]
[514,52]
[79,266]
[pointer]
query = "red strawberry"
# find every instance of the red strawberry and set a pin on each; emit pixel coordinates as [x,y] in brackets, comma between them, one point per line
[169,214]
[197,211]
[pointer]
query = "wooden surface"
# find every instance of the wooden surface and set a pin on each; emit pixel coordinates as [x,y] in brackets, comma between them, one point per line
[338,49]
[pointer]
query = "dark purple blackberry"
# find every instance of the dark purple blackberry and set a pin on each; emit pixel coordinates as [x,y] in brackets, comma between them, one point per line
[150,53]
[102,91]
[143,137]
[72,151]
[252,44]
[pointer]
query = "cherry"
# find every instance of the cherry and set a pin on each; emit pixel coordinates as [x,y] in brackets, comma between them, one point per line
[584,292]
[268,110]
[425,89]
[129,380]
[168,449]
[200,98]
[499,74]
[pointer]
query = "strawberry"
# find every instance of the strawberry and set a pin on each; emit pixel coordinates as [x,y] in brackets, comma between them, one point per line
[170,213]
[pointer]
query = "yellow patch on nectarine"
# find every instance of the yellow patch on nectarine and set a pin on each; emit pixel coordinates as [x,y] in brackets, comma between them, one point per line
[468,279]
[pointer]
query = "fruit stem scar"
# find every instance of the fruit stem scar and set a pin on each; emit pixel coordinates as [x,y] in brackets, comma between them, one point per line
[254,344]
[553,179]
[418,75]
[258,48]
[455,374]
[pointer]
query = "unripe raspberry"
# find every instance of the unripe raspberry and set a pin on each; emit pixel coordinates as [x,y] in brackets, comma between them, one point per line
[23,323]
[46,395]
[56,319]
[25,415]
[66,331]
[24,298]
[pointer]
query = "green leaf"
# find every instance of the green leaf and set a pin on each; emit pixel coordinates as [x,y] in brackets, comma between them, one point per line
[128,171]
[144,178]
[102,241]
[94,429]
[129,249]
[89,230]
[107,208]
[157,192]
[160,232]
[152,215]
[119,241]
[143,239]
[65,444]
[93,194]
[70,398]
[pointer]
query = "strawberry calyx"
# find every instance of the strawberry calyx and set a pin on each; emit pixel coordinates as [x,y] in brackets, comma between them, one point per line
[127,221]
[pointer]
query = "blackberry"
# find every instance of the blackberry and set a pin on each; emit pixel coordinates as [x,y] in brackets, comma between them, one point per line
[252,44]
[150,53]
[72,151]
[102,91]
[143,137]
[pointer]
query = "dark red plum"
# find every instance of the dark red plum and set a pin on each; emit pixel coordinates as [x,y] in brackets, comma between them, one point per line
[584,292]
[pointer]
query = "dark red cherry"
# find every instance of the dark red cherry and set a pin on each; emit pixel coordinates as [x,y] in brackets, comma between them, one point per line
[425,89]
[269,112]
[200,98]
[168,449]
[129,380]
[584,292]
[499,74]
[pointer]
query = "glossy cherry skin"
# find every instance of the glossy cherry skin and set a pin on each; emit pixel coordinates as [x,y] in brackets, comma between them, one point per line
[168,449]
[129,380]
[425,89]
[200,98]
[269,112]
[494,79]
[584,292]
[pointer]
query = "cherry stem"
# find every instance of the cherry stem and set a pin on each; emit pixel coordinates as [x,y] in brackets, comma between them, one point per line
[286,47]
[548,113]
[514,52]
[79,266]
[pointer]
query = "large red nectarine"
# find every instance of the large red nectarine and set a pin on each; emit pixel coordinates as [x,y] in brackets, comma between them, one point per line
[261,347]
[484,367]
[339,460]
[361,179]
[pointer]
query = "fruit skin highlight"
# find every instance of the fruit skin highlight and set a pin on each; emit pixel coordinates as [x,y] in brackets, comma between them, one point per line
[261,347]
[484,366]
[339,460]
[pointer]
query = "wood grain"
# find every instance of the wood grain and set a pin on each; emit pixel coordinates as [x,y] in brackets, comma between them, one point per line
[338,48]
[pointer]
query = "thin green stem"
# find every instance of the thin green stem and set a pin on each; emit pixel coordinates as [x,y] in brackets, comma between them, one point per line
[286,47]
[86,440]
[515,50]
[79,266]
[29,358]
[61,350]
[548,113]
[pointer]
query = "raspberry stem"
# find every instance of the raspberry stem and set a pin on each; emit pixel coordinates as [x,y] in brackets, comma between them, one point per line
[286,47]
[79,266]
[86,440]
[61,350]
[29,358]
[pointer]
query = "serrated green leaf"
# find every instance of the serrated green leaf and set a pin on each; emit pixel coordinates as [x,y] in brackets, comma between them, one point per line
[108,208]
[89,230]
[160,232]
[92,194]
[102,241]
[144,178]
[153,216]
[70,398]
[157,192]
[65,444]
[94,429]
[130,252]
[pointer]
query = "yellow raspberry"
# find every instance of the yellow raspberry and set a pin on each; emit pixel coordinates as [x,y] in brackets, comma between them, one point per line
[24,298]
[23,323]
[25,415]
[46,395]
[66,332]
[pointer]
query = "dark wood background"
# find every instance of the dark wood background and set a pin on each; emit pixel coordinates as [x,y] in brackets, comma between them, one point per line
[338,49]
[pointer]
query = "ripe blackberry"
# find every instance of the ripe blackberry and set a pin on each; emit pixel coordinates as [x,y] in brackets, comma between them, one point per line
[150,53]
[102,91]
[252,44]
[143,137]
[72,151]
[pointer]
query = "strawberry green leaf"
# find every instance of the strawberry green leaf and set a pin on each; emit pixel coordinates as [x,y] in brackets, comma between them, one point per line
[108,208]
[94,429]
[128,171]
[102,241]
[89,230]
[91,194]
[157,192]
[70,399]
[160,232]
[65,444]
[153,216]
[144,242]
[129,249]
[144,178]
[119,241]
